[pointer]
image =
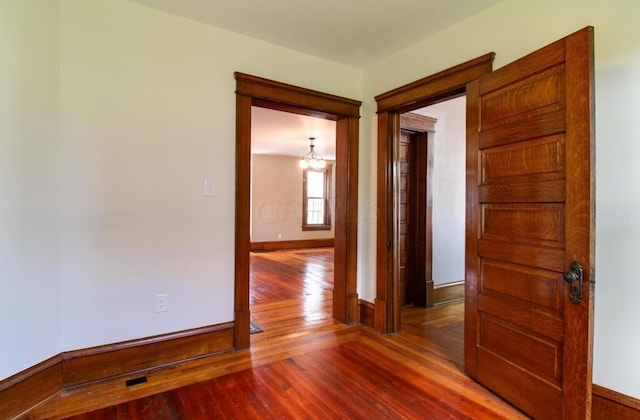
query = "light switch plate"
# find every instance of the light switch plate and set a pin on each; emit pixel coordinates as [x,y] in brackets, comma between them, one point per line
[209,189]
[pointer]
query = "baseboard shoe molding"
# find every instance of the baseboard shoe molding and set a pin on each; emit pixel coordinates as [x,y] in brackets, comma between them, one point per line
[609,404]
[297,244]
[367,313]
[448,292]
[29,388]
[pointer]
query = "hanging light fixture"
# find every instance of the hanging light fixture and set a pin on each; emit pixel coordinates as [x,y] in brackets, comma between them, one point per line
[312,159]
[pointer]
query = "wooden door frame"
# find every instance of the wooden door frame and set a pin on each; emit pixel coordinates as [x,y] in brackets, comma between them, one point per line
[257,91]
[440,86]
[421,129]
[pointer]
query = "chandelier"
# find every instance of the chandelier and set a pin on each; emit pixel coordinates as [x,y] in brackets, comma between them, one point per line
[312,159]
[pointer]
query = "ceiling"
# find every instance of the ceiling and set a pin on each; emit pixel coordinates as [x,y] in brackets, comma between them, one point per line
[282,133]
[356,33]
[353,32]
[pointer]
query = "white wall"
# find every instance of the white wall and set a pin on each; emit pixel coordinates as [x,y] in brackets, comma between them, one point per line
[512,29]
[449,177]
[116,115]
[147,114]
[29,281]
[276,200]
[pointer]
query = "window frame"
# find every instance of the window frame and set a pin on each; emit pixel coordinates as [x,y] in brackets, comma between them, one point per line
[326,225]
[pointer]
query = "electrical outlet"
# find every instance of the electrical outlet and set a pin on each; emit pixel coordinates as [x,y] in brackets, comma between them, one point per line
[162,302]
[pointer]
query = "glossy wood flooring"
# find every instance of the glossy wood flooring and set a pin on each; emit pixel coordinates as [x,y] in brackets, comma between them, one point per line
[290,274]
[305,365]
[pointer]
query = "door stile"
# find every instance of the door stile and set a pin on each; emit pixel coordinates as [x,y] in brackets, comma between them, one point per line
[580,220]
[472,231]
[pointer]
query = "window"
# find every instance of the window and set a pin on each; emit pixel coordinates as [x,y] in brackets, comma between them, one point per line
[316,193]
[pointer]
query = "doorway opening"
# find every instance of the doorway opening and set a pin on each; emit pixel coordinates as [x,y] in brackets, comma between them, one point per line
[292,218]
[442,86]
[432,158]
[255,91]
[432,154]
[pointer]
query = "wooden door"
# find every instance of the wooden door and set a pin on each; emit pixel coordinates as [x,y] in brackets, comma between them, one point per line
[529,217]
[419,246]
[404,213]
[415,161]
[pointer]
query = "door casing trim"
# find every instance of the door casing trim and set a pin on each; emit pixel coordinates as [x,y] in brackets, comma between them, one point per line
[257,91]
[438,87]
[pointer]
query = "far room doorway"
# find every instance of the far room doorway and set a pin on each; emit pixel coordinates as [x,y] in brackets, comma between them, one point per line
[292,216]
[432,204]
[256,91]
[434,89]
[431,267]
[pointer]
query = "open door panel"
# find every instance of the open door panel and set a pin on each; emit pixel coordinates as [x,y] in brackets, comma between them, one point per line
[529,308]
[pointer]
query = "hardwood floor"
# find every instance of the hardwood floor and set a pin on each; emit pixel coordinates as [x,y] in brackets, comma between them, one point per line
[305,365]
[290,274]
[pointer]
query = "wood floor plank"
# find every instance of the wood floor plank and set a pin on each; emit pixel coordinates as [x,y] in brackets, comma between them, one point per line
[290,274]
[306,365]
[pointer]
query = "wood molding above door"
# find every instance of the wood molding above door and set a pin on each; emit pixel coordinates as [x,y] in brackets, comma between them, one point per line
[429,90]
[257,91]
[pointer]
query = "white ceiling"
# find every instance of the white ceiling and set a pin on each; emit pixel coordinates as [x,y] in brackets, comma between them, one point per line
[282,133]
[353,32]
[356,33]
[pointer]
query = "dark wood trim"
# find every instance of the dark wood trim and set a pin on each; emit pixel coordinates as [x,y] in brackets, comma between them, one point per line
[27,389]
[81,367]
[440,86]
[257,91]
[297,244]
[418,230]
[471,224]
[608,404]
[428,231]
[420,211]
[367,310]
[32,386]
[577,365]
[315,228]
[345,295]
[284,97]
[448,292]
[417,123]
[242,316]
[429,90]
[328,175]
[387,253]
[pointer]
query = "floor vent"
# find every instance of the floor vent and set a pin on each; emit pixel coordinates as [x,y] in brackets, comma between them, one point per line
[136,381]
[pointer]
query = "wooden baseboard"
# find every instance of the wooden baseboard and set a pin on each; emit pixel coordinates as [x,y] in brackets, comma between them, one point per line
[81,367]
[28,388]
[367,310]
[379,316]
[448,292]
[429,290]
[298,244]
[25,390]
[608,404]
